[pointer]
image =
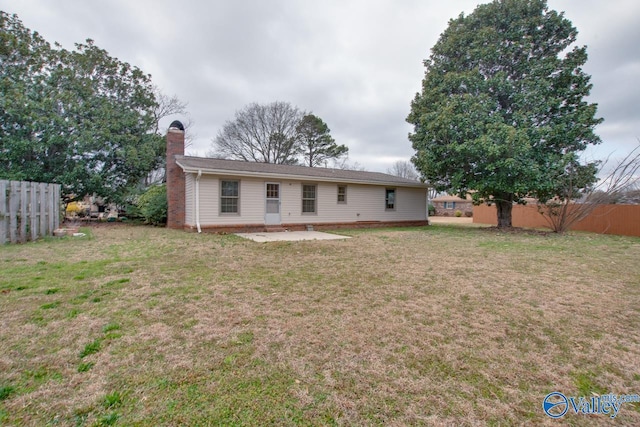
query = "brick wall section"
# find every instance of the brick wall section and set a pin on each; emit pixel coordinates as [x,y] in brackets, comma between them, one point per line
[175,180]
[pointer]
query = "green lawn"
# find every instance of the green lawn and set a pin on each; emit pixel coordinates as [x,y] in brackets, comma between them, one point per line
[434,326]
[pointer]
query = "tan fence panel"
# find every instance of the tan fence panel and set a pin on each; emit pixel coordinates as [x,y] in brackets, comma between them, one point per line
[623,220]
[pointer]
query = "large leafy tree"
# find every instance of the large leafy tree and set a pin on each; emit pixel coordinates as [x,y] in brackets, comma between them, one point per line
[316,144]
[23,58]
[80,118]
[502,111]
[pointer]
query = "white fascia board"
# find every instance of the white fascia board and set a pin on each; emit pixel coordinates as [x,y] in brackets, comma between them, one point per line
[307,178]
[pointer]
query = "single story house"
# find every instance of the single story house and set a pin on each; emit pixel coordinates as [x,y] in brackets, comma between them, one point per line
[208,194]
[448,205]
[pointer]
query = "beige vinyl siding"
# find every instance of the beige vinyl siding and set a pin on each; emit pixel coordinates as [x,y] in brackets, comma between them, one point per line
[364,202]
[251,204]
[190,200]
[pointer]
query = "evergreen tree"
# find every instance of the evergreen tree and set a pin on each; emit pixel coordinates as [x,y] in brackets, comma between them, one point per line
[316,144]
[502,110]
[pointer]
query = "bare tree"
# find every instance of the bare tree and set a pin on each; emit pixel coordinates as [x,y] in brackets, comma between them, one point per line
[166,106]
[631,197]
[576,202]
[403,169]
[432,193]
[260,133]
[343,163]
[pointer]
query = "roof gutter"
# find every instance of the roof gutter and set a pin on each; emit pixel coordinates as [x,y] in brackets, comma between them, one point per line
[198,201]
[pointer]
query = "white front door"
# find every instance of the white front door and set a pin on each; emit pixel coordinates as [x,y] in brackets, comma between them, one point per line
[272,197]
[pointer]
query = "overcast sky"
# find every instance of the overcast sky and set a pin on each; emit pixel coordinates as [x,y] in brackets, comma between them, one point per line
[356,64]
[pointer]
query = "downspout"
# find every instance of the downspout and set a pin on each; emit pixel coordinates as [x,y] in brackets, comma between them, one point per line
[428,203]
[198,201]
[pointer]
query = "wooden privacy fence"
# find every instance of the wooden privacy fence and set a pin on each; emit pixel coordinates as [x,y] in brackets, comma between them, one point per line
[28,210]
[623,220]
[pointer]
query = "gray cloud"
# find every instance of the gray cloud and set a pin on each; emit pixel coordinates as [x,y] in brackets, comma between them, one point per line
[355,63]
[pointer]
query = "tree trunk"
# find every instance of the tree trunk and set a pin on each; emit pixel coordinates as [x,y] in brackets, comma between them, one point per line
[504,208]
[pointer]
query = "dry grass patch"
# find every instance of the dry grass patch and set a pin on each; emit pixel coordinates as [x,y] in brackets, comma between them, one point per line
[434,326]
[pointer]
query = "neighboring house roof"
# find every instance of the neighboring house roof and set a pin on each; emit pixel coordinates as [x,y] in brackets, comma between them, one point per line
[275,171]
[450,199]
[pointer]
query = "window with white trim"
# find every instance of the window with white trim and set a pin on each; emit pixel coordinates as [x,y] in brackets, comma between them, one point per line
[342,194]
[390,199]
[308,199]
[229,196]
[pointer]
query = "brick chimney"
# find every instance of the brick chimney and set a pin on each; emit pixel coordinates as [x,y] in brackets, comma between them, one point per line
[175,177]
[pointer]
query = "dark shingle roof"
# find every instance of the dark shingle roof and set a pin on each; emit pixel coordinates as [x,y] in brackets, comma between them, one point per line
[450,199]
[270,170]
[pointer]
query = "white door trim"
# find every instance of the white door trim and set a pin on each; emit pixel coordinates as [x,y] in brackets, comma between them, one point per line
[272,203]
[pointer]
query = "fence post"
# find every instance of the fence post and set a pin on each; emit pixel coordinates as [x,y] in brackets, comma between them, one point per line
[24,201]
[42,196]
[14,203]
[51,202]
[4,217]
[33,210]
[56,206]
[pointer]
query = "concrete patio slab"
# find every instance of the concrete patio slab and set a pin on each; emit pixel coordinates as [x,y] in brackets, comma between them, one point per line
[450,220]
[290,236]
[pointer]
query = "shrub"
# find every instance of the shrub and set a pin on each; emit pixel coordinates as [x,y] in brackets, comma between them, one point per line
[432,210]
[75,209]
[129,203]
[152,205]
[468,214]
[458,214]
